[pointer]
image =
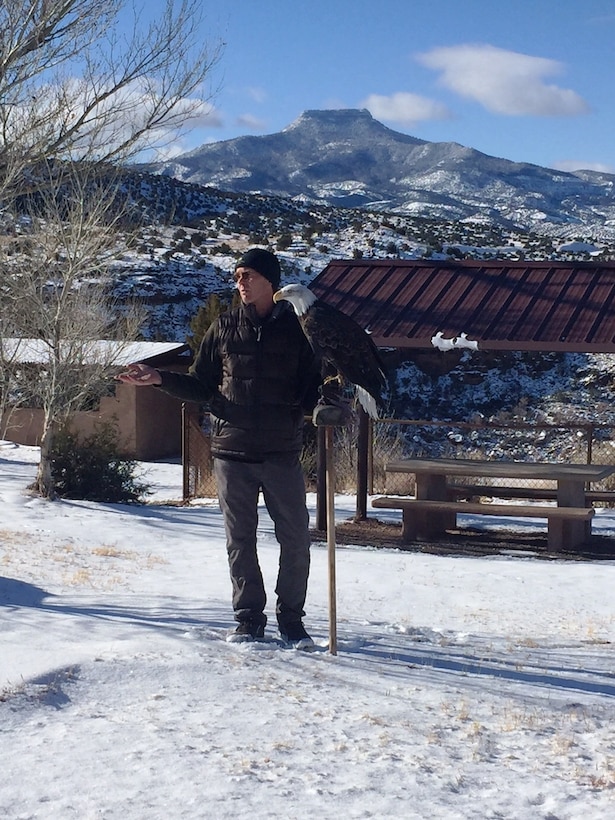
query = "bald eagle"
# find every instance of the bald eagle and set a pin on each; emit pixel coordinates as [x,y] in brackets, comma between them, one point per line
[345,349]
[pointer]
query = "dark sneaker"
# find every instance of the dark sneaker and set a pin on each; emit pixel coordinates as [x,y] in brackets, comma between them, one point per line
[295,635]
[246,631]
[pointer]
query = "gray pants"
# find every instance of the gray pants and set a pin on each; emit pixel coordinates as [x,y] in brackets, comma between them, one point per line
[283,486]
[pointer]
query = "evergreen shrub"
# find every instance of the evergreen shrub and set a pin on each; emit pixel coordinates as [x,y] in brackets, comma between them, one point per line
[91,469]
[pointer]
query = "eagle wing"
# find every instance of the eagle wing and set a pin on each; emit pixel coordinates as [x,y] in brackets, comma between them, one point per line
[340,341]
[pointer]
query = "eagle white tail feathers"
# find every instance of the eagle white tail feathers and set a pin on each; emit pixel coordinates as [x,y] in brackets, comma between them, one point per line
[367,402]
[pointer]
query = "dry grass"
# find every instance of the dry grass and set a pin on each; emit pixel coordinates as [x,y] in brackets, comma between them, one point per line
[11,691]
[107,551]
[11,537]
[44,561]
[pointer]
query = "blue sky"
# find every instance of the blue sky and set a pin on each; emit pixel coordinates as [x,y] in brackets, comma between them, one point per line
[526,80]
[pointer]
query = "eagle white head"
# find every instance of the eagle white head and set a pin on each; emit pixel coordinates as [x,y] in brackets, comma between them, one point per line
[300,297]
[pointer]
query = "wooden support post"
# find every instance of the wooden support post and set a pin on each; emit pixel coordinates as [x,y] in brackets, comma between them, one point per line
[321,481]
[185,453]
[362,465]
[330,470]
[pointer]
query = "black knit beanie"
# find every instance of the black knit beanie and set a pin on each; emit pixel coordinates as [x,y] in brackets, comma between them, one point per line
[265,262]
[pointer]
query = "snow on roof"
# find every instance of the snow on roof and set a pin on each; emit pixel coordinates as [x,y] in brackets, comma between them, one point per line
[37,351]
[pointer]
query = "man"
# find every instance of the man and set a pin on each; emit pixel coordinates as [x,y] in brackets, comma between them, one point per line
[258,374]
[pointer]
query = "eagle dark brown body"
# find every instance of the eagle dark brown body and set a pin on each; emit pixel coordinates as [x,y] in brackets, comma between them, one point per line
[343,346]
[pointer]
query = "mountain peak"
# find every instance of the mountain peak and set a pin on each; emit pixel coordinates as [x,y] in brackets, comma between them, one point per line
[338,117]
[352,124]
[345,157]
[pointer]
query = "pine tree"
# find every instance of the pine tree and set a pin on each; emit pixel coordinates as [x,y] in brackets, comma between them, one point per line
[206,316]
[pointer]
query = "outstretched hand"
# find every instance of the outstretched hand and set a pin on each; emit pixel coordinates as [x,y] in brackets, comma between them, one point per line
[140,374]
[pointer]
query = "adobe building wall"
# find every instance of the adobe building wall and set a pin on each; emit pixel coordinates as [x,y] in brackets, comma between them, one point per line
[158,428]
[148,422]
[23,425]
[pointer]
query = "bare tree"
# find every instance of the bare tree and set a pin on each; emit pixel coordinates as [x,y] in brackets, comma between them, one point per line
[73,85]
[80,94]
[10,394]
[63,315]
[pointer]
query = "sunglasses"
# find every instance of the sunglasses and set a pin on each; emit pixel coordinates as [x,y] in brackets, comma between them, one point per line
[246,276]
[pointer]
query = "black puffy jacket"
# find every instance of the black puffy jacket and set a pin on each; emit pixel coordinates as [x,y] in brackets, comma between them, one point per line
[259,378]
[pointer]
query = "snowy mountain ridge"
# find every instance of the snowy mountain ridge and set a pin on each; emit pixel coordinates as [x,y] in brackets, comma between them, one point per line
[347,158]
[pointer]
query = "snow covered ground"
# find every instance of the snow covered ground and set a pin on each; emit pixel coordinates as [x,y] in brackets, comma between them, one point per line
[463,687]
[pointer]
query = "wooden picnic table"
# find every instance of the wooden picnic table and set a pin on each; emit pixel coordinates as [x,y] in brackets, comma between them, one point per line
[569,523]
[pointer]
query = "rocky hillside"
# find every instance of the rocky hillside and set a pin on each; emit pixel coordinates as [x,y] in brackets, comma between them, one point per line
[189,242]
[190,236]
[347,158]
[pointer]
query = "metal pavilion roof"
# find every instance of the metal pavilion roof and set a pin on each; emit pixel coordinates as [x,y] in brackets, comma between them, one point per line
[503,305]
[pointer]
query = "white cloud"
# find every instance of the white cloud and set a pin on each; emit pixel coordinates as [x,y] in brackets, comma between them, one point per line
[165,153]
[583,165]
[166,143]
[404,107]
[258,95]
[504,82]
[207,117]
[115,119]
[250,121]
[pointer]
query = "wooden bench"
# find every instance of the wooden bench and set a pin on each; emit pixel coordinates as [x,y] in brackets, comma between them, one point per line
[493,491]
[416,514]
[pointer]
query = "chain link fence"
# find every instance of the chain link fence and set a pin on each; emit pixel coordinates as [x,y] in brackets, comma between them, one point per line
[197,463]
[393,439]
[582,443]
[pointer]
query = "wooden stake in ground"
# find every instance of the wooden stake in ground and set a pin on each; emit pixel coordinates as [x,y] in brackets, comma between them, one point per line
[330,481]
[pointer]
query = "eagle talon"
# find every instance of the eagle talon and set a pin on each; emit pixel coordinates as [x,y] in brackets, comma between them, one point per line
[335,414]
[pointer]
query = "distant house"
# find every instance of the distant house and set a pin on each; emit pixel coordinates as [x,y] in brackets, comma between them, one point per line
[148,421]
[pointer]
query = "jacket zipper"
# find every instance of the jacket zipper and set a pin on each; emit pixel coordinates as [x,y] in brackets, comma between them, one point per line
[258,382]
